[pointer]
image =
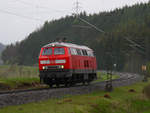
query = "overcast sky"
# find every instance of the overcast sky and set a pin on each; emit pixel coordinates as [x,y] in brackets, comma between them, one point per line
[18,18]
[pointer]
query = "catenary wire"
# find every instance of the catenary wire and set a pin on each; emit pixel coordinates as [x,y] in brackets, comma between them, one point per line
[19,15]
[41,7]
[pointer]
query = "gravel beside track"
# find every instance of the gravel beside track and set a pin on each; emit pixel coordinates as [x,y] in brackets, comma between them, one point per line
[18,98]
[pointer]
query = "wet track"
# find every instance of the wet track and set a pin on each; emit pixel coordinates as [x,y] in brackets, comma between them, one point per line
[27,96]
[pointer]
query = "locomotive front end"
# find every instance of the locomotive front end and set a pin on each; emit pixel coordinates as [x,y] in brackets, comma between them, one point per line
[54,64]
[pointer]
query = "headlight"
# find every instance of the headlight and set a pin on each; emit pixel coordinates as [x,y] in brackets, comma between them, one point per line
[62,67]
[44,62]
[44,67]
[60,61]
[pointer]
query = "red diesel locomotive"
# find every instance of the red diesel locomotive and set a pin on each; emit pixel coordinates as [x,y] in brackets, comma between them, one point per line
[66,63]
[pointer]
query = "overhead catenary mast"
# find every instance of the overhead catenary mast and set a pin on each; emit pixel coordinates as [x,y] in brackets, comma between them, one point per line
[77,8]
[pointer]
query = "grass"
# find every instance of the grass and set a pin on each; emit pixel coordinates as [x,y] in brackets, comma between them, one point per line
[14,71]
[121,100]
[14,76]
[102,77]
[15,83]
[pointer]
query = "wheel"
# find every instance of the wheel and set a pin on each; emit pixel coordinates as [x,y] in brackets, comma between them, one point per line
[50,85]
[88,82]
[66,84]
[46,81]
[71,83]
[57,82]
[83,83]
[41,80]
[57,85]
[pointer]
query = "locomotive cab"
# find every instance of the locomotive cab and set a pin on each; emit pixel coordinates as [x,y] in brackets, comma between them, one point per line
[53,58]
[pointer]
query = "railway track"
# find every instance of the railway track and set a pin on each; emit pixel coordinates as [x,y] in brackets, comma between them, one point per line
[122,78]
[33,95]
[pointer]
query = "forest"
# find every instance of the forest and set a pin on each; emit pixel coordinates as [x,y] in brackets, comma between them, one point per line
[126,41]
[2,47]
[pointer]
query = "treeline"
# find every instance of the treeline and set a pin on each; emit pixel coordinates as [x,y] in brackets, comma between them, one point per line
[131,23]
[2,47]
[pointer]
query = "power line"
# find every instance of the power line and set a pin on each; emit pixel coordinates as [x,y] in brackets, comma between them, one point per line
[140,51]
[135,44]
[100,30]
[41,7]
[15,14]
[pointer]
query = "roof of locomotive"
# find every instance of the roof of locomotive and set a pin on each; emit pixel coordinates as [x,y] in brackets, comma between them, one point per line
[60,44]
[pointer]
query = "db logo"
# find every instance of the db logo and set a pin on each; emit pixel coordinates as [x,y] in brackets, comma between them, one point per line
[52,62]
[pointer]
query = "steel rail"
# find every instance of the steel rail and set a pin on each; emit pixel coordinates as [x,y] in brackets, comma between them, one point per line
[122,78]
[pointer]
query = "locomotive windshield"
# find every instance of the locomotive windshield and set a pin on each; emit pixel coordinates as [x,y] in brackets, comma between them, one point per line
[47,51]
[59,51]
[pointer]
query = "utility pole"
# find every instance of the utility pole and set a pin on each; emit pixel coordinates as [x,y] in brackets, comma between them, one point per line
[109,64]
[77,8]
[109,69]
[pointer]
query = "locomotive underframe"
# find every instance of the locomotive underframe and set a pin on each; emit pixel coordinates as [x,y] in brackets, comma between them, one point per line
[67,76]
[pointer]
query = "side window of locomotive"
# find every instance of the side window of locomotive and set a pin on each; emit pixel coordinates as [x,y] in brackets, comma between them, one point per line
[90,53]
[84,52]
[47,51]
[69,51]
[79,52]
[59,51]
[73,51]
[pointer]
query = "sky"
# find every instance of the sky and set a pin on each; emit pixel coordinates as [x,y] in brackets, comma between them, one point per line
[19,18]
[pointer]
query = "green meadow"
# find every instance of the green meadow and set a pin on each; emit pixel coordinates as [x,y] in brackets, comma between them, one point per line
[128,99]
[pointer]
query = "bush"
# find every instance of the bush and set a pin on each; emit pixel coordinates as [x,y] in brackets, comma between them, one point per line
[146,91]
[148,69]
